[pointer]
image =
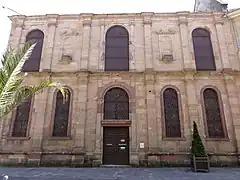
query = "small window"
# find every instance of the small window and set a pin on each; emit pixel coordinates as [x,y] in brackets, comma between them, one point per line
[203,51]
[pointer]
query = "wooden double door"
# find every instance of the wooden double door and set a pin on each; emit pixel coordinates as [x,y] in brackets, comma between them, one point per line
[116,145]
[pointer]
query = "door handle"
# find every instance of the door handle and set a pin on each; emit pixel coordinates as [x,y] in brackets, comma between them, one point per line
[122,144]
[108,144]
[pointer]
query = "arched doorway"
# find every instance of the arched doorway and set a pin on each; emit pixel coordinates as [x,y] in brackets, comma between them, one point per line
[116,138]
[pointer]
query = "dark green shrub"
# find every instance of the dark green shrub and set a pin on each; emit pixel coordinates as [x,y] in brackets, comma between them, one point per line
[197,149]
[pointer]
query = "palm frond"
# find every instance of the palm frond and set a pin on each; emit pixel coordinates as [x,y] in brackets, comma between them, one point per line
[12,93]
[25,93]
[13,62]
[10,74]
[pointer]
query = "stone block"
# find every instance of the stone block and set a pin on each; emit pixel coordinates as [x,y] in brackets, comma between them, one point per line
[77,161]
[96,163]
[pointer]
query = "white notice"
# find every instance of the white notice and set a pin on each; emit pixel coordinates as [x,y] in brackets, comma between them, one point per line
[141,145]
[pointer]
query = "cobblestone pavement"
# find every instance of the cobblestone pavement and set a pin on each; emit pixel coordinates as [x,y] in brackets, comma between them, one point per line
[117,174]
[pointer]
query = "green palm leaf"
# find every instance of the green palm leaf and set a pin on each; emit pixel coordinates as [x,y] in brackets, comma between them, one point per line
[12,93]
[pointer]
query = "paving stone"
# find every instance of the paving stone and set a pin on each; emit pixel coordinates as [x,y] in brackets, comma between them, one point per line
[117,174]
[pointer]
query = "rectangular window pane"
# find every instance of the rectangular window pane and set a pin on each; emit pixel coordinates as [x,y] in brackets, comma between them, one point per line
[116,64]
[117,42]
[117,53]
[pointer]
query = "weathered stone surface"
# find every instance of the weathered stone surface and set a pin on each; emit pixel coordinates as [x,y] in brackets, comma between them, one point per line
[151,36]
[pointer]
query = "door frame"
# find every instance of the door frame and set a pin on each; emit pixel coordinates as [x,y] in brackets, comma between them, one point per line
[102,146]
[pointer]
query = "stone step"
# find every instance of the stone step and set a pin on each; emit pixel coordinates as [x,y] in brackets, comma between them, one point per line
[115,166]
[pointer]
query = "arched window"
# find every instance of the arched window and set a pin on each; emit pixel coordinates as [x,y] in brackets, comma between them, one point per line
[214,119]
[117,49]
[61,117]
[203,51]
[20,126]
[171,113]
[33,63]
[116,104]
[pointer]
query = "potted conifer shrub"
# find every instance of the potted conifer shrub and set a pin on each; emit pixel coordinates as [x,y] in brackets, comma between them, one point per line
[199,158]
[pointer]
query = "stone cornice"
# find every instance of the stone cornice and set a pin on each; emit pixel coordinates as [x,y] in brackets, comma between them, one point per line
[152,73]
[182,18]
[146,16]
[52,19]
[218,19]
[17,17]
[87,19]
[17,21]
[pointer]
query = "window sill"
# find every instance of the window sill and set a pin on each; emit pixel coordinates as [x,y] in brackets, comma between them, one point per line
[174,139]
[59,138]
[217,139]
[17,138]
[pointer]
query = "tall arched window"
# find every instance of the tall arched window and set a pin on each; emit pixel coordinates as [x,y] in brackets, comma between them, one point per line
[116,104]
[61,117]
[33,63]
[117,49]
[214,119]
[203,51]
[21,121]
[171,113]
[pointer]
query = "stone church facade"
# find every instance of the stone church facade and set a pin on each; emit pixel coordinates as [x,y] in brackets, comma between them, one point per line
[136,83]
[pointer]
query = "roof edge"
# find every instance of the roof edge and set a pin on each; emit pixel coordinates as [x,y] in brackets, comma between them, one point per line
[17,16]
[234,14]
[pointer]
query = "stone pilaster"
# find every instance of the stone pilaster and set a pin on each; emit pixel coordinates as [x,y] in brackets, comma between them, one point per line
[234,101]
[94,50]
[99,135]
[16,31]
[141,118]
[139,47]
[79,140]
[222,43]
[101,59]
[133,130]
[151,112]
[87,20]
[188,63]
[38,119]
[192,105]
[147,23]
[99,129]
[49,42]
[131,47]
[38,123]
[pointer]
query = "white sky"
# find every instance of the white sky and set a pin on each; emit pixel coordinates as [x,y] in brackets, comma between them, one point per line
[31,7]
